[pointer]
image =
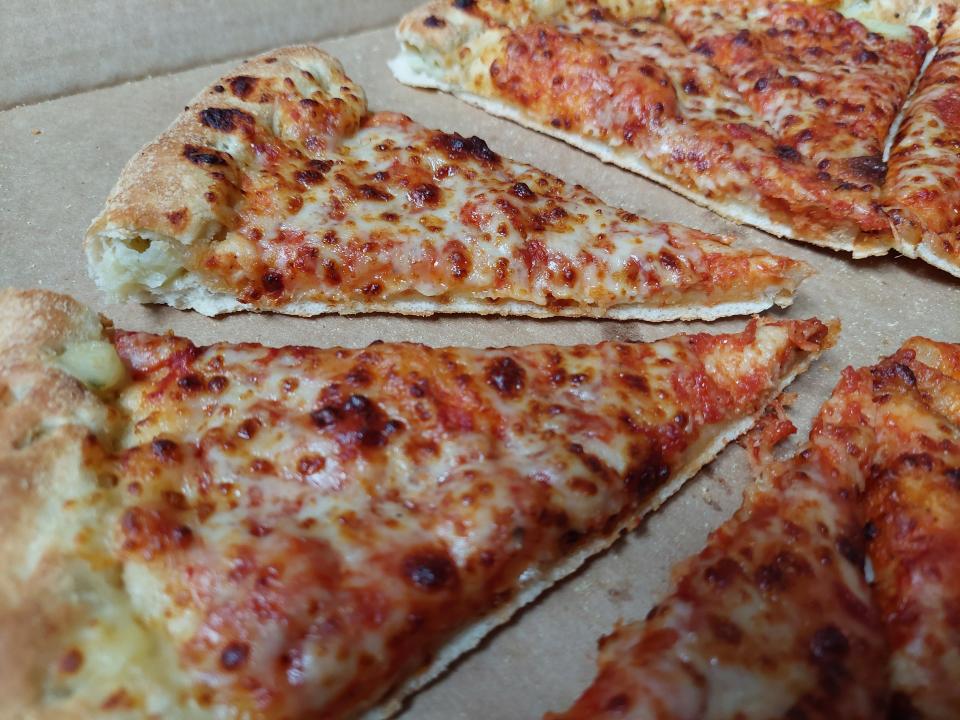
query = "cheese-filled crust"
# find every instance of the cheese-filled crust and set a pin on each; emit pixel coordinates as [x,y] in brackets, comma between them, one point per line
[277,190]
[773,114]
[237,531]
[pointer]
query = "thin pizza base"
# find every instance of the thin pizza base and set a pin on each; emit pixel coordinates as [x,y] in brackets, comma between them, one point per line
[927,250]
[410,68]
[36,330]
[914,238]
[190,294]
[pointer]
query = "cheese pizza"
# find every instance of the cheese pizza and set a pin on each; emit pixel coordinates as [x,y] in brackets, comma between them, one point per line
[922,194]
[773,114]
[913,525]
[825,84]
[239,531]
[277,190]
[774,617]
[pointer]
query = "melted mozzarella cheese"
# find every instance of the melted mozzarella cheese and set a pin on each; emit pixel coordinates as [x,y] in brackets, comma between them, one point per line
[293,531]
[773,618]
[299,198]
[636,88]
[913,516]
[827,86]
[922,186]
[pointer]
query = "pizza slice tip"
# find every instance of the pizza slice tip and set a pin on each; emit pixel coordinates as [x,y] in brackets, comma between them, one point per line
[773,618]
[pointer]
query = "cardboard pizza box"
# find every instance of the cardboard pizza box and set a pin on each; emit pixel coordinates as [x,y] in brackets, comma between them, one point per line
[59,158]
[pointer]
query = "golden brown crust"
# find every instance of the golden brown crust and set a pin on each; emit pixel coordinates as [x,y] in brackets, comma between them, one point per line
[438,24]
[931,15]
[48,420]
[161,180]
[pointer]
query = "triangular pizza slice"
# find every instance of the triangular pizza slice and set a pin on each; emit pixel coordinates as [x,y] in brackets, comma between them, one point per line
[773,619]
[913,525]
[773,114]
[245,531]
[277,190]
[616,80]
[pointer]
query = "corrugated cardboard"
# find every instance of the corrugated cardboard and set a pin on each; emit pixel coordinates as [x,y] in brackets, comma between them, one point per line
[59,159]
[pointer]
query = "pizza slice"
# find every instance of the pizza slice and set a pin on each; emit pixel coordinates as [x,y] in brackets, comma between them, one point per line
[828,85]
[773,619]
[245,531]
[277,190]
[922,194]
[616,80]
[913,528]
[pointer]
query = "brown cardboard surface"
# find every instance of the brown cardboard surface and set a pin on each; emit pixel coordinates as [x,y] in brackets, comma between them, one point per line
[53,48]
[59,159]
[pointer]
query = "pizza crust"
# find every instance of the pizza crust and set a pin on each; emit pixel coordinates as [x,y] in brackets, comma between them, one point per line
[187,295]
[157,217]
[47,418]
[893,17]
[410,68]
[930,249]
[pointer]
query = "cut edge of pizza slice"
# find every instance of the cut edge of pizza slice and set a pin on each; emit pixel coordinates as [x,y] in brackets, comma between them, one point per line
[61,377]
[276,190]
[774,616]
